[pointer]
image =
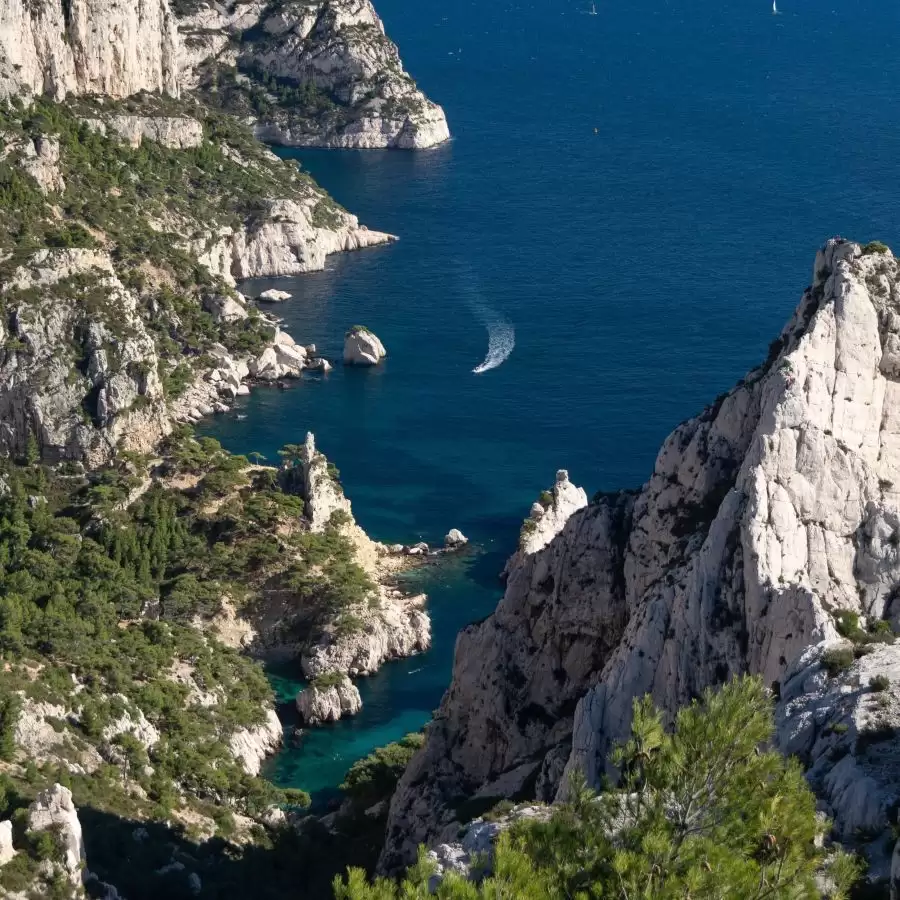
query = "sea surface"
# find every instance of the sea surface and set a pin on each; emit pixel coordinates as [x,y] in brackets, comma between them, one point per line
[635,199]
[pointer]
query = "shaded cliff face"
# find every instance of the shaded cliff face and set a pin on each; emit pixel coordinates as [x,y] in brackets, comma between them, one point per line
[765,517]
[312,73]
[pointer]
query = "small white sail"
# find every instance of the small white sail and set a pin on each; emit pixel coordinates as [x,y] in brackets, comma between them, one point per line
[774,7]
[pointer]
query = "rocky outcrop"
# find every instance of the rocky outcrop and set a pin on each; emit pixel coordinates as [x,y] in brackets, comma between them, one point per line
[286,241]
[387,625]
[765,517]
[455,539]
[362,347]
[37,157]
[82,359]
[844,725]
[53,809]
[355,92]
[328,700]
[396,627]
[174,132]
[251,746]
[61,47]
[470,856]
[548,515]
[317,484]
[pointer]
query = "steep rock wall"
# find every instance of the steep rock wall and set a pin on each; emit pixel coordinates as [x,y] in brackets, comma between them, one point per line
[88,47]
[765,515]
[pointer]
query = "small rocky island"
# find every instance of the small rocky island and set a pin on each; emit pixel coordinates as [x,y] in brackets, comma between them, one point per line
[362,347]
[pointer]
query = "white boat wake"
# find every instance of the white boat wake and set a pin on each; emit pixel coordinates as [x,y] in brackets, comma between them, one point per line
[501,340]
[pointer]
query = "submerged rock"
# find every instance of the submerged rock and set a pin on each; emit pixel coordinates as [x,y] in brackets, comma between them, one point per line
[329,699]
[362,347]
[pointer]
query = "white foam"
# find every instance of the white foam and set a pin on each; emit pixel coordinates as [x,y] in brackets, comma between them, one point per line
[501,341]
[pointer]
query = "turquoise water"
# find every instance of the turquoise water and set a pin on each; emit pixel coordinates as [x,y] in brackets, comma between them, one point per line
[643,268]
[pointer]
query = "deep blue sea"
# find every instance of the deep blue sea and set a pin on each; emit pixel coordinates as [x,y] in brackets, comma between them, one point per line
[638,195]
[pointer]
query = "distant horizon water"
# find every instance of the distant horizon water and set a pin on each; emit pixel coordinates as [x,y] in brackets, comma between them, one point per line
[626,216]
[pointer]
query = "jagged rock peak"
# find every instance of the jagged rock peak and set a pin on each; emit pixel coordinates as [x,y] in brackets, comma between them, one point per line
[769,519]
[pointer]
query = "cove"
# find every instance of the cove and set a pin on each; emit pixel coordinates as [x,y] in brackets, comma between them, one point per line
[644,269]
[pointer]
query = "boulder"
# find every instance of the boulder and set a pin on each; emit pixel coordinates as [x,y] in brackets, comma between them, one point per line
[319,365]
[273,296]
[328,699]
[362,347]
[454,539]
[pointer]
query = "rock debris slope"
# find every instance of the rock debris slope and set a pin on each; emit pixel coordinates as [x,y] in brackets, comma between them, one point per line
[768,529]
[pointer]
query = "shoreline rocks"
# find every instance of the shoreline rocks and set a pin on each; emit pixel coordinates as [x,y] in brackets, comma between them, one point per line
[397,629]
[251,746]
[362,347]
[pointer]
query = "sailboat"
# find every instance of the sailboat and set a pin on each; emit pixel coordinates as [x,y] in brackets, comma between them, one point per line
[593,11]
[775,8]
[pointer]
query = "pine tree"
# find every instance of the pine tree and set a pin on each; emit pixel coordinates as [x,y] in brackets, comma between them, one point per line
[702,812]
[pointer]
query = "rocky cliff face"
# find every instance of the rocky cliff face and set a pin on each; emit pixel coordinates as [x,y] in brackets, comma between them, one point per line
[769,520]
[338,80]
[319,73]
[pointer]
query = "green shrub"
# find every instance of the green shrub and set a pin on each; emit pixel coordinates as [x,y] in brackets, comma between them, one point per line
[875,247]
[327,680]
[375,777]
[837,659]
[879,683]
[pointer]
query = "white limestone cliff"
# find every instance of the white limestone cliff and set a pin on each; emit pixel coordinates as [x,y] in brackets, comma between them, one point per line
[336,46]
[61,47]
[251,746]
[106,48]
[174,132]
[766,515]
[394,628]
[286,241]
